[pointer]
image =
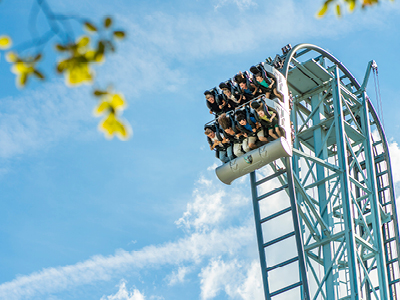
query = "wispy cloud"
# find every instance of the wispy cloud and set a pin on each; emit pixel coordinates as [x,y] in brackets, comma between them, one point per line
[36,118]
[178,276]
[193,36]
[241,4]
[394,151]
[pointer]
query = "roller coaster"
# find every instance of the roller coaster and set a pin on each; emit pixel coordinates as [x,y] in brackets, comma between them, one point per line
[323,193]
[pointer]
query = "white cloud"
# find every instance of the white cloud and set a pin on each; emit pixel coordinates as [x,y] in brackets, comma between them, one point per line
[238,279]
[252,288]
[212,167]
[394,152]
[217,275]
[179,276]
[37,118]
[124,294]
[211,205]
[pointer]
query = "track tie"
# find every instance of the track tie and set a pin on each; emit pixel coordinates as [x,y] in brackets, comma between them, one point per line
[282,264]
[281,238]
[283,211]
[289,287]
[276,174]
[273,192]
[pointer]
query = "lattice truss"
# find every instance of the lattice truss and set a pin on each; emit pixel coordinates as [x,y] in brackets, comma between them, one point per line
[343,186]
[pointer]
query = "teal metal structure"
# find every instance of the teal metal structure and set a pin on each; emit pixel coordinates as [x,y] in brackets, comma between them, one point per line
[336,190]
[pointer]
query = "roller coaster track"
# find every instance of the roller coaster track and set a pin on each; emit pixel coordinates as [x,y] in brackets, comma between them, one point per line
[335,230]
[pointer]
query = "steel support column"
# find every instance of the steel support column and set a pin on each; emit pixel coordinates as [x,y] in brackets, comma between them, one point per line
[345,187]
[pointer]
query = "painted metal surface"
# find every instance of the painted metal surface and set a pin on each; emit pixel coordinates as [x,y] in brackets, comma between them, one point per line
[253,160]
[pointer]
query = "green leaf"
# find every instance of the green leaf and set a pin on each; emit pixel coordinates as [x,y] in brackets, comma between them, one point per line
[99,93]
[107,22]
[110,46]
[37,57]
[83,41]
[101,47]
[90,27]
[60,47]
[119,34]
[38,74]
[23,80]
[62,65]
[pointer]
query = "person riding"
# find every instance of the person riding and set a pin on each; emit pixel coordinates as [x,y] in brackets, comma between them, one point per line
[223,152]
[212,103]
[232,133]
[267,88]
[267,118]
[251,128]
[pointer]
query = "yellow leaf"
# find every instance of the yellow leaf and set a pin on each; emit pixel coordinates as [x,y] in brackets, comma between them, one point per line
[5,42]
[111,125]
[83,41]
[22,68]
[90,55]
[104,105]
[94,56]
[99,57]
[366,3]
[62,65]
[323,10]
[78,74]
[338,12]
[122,133]
[117,101]
[22,79]
[352,5]
[108,125]
[11,56]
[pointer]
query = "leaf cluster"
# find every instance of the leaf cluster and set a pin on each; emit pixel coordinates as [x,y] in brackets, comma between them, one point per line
[350,4]
[110,106]
[77,58]
[24,67]
[81,55]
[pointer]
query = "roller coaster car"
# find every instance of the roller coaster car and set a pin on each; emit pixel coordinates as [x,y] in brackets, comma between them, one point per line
[281,147]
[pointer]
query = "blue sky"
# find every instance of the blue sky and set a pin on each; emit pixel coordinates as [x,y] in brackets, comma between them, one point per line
[82,217]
